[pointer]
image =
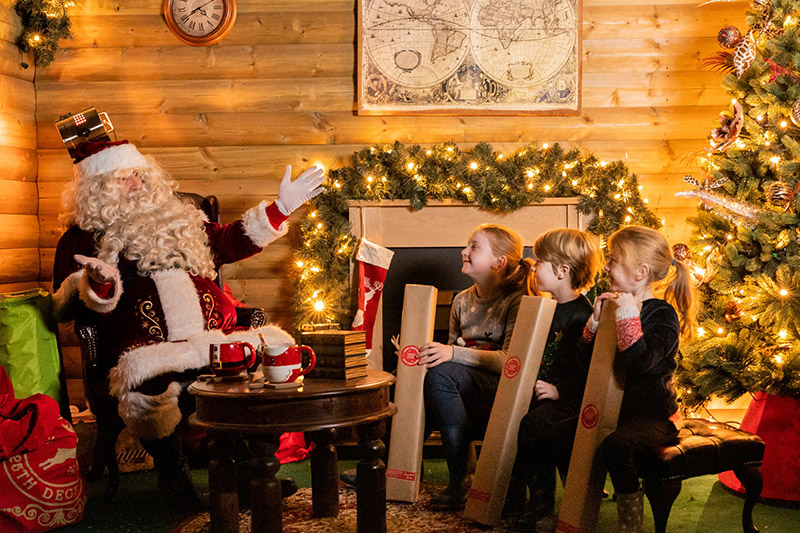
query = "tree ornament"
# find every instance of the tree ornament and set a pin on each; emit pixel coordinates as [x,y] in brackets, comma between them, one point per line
[732,311]
[681,252]
[796,113]
[729,37]
[779,194]
[729,208]
[728,131]
[744,55]
[776,70]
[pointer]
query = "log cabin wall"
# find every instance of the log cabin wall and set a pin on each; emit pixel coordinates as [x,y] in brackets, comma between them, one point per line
[280,89]
[19,205]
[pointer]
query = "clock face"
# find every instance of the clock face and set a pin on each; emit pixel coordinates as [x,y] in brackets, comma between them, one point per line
[200,22]
[198,17]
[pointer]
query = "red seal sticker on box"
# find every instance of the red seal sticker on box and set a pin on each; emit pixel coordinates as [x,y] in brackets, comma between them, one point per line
[512,367]
[409,355]
[479,495]
[401,474]
[589,416]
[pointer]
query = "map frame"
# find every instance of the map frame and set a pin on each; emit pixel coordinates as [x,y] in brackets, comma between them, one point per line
[373,97]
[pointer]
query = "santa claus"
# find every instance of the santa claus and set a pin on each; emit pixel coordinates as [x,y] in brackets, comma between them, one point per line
[140,263]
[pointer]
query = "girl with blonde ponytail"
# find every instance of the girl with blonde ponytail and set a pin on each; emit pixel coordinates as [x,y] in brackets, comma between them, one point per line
[640,261]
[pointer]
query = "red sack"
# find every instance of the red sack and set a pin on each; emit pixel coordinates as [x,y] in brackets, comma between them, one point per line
[40,485]
[292,448]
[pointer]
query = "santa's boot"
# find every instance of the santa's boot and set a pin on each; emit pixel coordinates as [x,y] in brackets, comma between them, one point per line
[460,457]
[630,509]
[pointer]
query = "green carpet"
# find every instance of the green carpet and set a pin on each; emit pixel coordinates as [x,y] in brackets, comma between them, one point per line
[703,506]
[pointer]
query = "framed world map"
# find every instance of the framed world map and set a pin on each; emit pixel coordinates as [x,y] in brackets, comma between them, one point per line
[479,57]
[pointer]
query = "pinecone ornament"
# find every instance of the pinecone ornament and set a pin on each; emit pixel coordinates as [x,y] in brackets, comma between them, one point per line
[744,55]
[732,311]
[779,194]
[729,37]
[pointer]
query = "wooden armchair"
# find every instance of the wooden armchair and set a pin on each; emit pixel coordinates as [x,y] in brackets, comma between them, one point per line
[95,373]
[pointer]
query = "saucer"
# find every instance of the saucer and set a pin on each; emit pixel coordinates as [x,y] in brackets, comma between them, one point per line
[288,385]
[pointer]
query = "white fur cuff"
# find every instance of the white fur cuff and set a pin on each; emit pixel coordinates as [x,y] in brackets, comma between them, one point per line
[151,417]
[94,302]
[258,228]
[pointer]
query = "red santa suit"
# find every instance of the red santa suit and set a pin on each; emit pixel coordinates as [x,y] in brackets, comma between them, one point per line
[163,322]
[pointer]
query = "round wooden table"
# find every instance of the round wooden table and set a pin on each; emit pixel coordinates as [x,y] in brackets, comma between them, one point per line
[260,416]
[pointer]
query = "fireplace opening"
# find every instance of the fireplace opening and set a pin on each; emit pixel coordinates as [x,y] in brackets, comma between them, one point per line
[440,267]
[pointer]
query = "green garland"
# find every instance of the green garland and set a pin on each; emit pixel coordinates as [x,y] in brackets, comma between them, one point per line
[492,180]
[44,23]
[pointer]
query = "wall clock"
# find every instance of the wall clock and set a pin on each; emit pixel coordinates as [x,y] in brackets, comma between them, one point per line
[199,22]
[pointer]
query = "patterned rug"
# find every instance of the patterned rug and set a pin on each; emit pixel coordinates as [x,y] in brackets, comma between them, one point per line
[405,517]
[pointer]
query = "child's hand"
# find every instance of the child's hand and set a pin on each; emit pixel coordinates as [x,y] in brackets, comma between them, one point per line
[435,353]
[598,304]
[545,391]
[626,299]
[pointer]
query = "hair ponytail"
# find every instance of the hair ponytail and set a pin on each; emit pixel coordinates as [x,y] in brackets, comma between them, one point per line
[523,277]
[680,292]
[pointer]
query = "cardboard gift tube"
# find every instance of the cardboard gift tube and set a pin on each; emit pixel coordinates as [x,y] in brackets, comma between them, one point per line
[514,391]
[602,398]
[405,449]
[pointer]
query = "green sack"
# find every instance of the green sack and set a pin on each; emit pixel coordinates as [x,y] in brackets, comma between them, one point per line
[28,343]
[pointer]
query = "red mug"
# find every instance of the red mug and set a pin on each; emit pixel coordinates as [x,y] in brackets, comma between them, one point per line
[230,358]
[284,364]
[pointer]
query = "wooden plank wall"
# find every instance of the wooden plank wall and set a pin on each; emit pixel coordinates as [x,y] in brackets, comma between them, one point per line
[280,89]
[19,225]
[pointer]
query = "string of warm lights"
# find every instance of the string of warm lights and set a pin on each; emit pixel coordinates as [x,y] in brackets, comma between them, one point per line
[44,23]
[493,180]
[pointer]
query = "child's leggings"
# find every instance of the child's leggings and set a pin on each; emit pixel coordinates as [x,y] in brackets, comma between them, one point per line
[631,440]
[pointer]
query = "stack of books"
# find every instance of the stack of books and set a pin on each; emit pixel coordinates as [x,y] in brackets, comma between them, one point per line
[341,354]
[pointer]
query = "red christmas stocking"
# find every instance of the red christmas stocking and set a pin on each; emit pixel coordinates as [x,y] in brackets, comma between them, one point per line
[373,263]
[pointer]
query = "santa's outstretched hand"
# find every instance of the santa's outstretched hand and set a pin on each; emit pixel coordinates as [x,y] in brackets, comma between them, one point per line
[293,194]
[98,270]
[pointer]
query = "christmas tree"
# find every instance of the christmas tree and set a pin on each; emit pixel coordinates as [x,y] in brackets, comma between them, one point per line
[745,246]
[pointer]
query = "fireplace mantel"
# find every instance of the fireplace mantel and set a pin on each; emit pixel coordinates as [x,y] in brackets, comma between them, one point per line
[445,223]
[394,224]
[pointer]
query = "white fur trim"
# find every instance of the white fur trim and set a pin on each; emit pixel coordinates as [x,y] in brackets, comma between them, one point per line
[63,298]
[94,302]
[258,228]
[373,254]
[110,159]
[151,417]
[179,303]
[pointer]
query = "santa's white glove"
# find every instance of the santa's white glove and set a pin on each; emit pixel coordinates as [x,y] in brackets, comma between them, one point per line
[98,270]
[293,194]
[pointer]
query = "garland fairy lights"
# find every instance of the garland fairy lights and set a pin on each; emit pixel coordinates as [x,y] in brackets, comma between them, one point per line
[44,23]
[492,180]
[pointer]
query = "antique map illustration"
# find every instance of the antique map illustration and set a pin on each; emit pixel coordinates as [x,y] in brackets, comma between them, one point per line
[451,56]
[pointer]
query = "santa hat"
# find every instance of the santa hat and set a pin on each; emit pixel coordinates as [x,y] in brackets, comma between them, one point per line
[103,157]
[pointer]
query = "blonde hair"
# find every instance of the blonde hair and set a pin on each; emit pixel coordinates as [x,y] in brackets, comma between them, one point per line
[505,242]
[573,248]
[637,245]
[150,226]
